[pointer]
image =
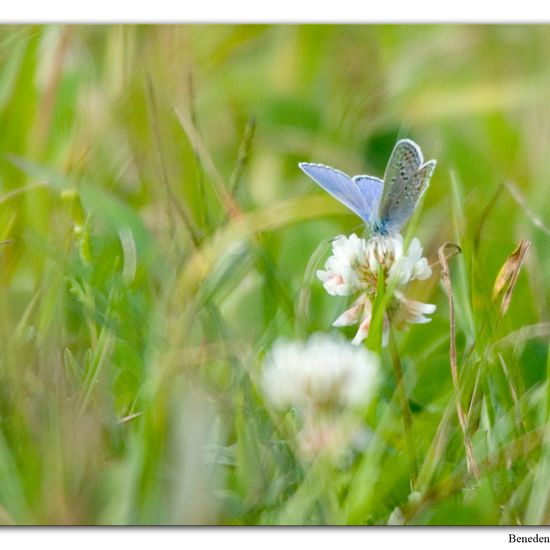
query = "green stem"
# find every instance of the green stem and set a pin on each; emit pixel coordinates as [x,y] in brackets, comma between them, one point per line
[405,409]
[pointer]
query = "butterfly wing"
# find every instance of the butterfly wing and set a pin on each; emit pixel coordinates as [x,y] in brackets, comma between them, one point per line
[406,178]
[360,194]
[404,161]
[370,190]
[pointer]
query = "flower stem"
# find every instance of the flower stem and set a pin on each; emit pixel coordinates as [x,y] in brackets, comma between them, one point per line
[405,409]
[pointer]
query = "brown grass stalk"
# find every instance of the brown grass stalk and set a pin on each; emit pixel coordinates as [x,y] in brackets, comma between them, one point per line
[470,458]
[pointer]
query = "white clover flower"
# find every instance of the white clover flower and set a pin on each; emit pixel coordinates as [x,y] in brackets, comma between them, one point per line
[383,253]
[386,252]
[360,312]
[403,312]
[411,311]
[340,277]
[327,380]
[356,266]
[420,268]
[325,372]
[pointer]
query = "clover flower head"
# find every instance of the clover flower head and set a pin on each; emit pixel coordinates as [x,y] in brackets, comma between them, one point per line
[410,266]
[411,311]
[327,381]
[325,372]
[386,253]
[340,276]
[355,267]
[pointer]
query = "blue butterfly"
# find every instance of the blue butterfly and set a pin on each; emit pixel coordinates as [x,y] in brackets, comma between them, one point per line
[384,205]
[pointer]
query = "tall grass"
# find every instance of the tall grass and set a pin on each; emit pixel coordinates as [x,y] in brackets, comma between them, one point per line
[159,237]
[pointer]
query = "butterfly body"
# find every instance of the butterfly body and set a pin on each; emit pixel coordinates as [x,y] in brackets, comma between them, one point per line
[380,228]
[383,205]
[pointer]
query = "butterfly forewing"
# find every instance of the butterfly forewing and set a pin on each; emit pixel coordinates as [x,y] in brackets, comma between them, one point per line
[342,187]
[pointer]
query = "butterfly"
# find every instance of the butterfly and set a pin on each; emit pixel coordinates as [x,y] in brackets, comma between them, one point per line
[384,205]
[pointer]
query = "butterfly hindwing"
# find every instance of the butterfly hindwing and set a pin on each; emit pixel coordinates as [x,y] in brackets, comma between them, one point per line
[405,180]
[340,186]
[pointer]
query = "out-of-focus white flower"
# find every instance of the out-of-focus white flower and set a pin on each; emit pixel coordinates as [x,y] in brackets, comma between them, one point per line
[340,276]
[324,372]
[327,380]
[356,266]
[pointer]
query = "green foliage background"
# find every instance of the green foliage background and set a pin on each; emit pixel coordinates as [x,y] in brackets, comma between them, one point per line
[161,236]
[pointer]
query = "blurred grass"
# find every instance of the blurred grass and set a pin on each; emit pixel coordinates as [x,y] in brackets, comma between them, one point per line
[162,236]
